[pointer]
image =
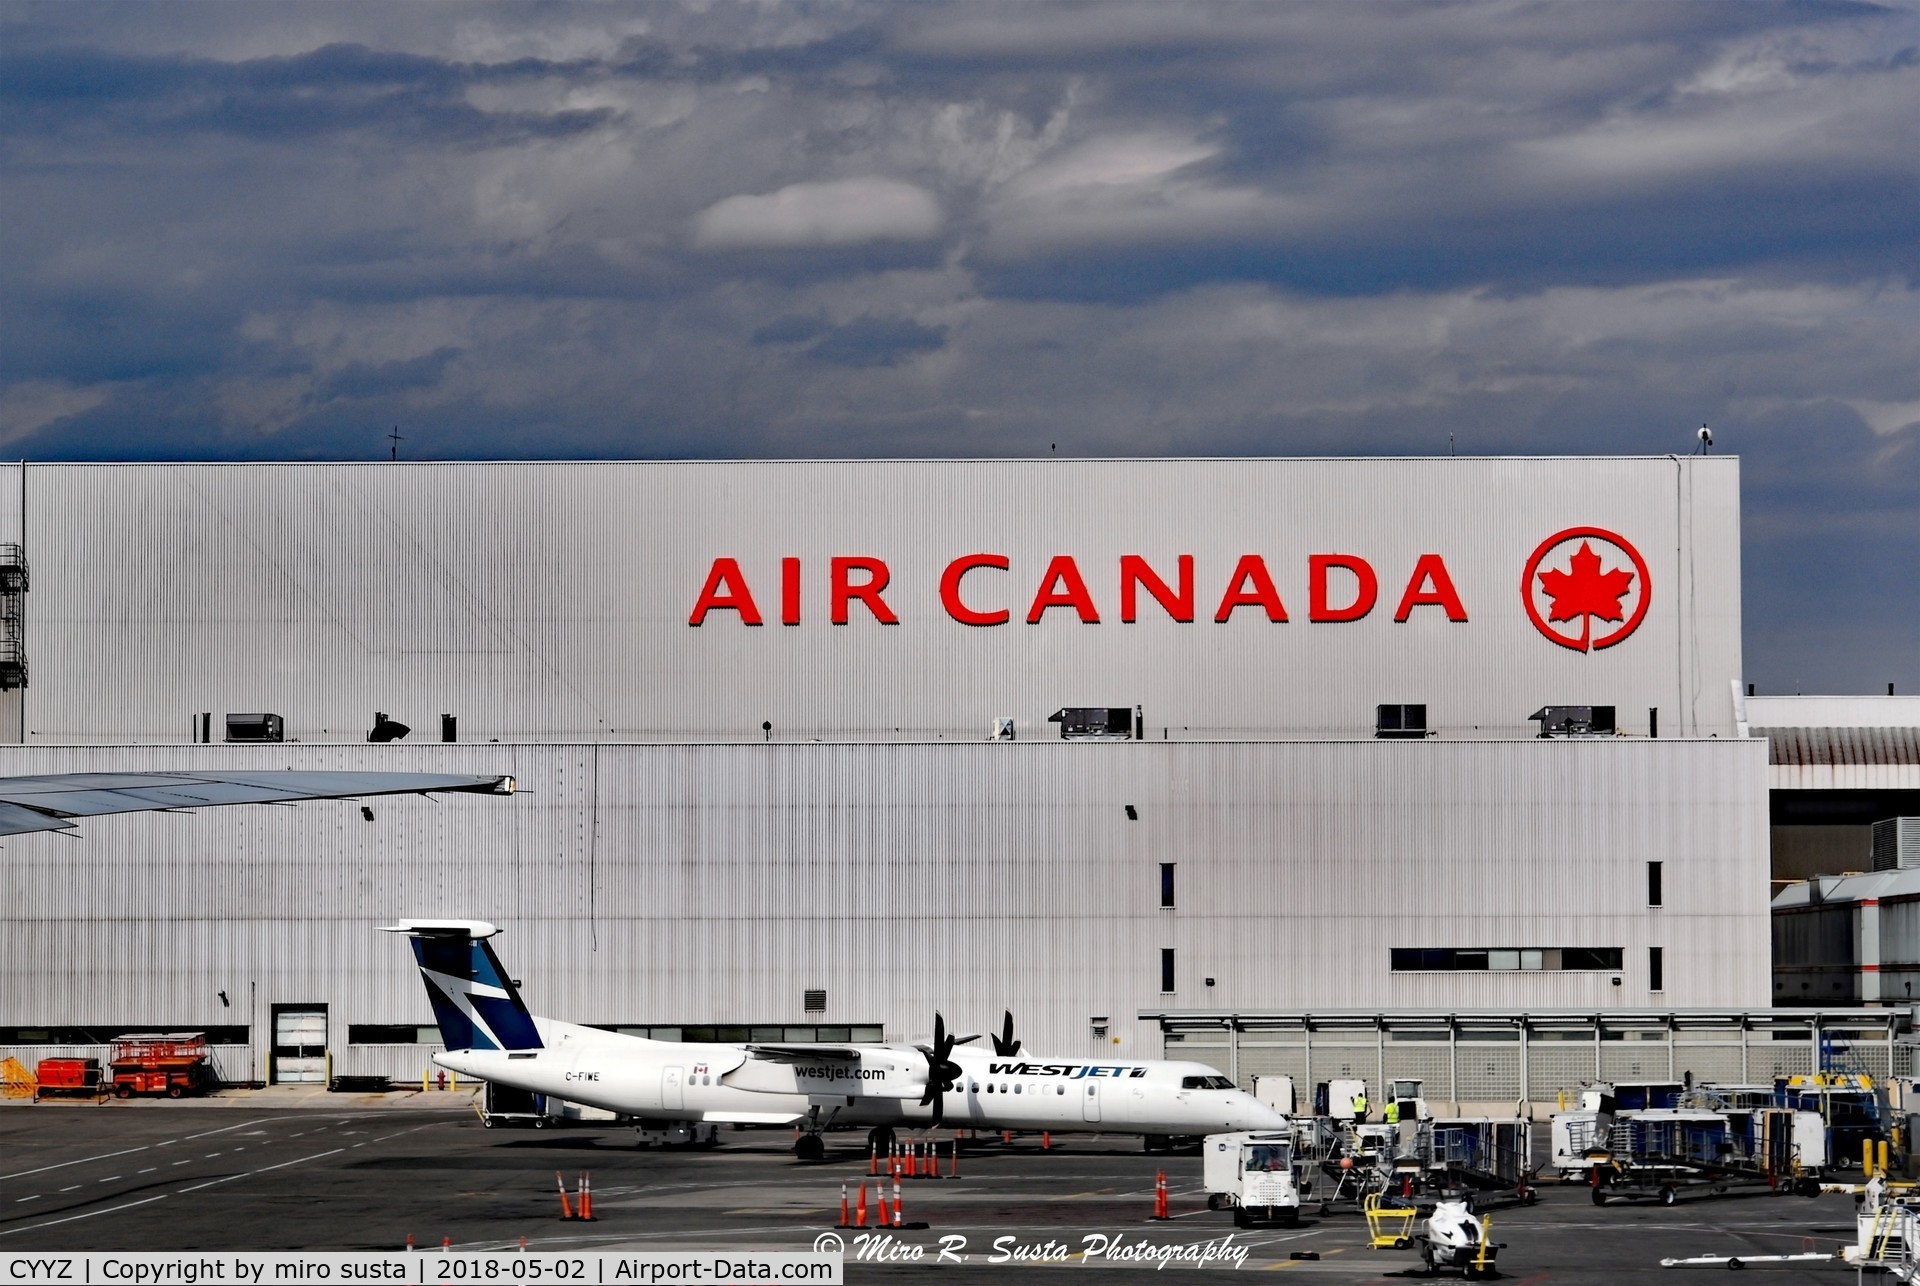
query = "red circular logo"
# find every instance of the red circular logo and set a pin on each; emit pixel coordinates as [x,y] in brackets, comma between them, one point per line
[1580,582]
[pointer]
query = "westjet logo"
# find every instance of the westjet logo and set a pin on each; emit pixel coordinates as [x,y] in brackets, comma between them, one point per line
[806,1073]
[1072,1071]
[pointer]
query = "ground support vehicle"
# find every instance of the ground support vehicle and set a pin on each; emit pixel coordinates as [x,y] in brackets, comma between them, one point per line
[175,1064]
[1455,1239]
[67,1078]
[1252,1173]
[503,1105]
[1340,1165]
[1663,1153]
[1480,1159]
[1389,1221]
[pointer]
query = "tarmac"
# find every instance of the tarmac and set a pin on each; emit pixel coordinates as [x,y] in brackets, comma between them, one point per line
[298,1168]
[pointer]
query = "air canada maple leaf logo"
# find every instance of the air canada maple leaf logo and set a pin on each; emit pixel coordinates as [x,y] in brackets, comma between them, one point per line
[1592,585]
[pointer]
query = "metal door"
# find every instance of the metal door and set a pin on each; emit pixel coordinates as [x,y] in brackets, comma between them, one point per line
[1090,1102]
[670,1082]
[299,1043]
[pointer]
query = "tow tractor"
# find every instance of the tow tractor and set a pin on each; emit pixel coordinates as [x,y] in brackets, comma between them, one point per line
[1453,1238]
[1252,1171]
[1457,1239]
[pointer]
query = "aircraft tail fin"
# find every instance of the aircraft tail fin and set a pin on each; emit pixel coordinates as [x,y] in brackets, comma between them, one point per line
[474,999]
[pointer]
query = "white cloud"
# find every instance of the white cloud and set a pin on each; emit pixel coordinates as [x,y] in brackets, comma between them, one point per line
[1887,418]
[843,212]
[32,404]
[1119,189]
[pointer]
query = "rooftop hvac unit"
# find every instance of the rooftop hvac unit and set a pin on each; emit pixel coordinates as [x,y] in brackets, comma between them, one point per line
[1094,723]
[255,727]
[1574,721]
[1392,722]
[1896,844]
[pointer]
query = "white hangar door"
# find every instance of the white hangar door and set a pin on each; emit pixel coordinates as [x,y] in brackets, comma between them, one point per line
[299,1043]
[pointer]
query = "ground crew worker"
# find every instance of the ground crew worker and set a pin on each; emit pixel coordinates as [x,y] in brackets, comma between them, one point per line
[1360,1108]
[1392,1113]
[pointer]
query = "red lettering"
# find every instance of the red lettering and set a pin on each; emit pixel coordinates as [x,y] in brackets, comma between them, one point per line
[1368,587]
[1430,571]
[726,588]
[868,591]
[1072,591]
[789,591]
[1134,572]
[950,589]
[1251,585]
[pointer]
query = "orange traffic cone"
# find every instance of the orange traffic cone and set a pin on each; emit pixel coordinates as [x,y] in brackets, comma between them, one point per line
[861,1214]
[586,1196]
[566,1208]
[897,1222]
[1160,1195]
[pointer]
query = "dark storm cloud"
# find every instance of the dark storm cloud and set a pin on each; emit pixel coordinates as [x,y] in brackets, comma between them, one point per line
[736,229]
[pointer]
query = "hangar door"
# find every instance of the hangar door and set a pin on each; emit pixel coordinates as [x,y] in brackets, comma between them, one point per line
[299,1043]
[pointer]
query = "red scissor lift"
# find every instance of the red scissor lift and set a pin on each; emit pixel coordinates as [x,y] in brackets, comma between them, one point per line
[171,1063]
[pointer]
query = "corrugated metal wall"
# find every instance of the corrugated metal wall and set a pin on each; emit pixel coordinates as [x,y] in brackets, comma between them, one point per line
[551,601]
[691,883]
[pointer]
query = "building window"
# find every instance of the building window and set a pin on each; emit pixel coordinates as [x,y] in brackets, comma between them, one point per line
[1656,969]
[107,1033]
[1503,959]
[1653,885]
[1166,969]
[1166,886]
[391,1034]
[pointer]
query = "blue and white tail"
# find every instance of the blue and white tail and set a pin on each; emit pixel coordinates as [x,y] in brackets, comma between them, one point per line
[474,999]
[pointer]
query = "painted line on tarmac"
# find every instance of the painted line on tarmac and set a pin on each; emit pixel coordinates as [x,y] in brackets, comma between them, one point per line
[88,1215]
[248,1174]
[21,1174]
[204,1134]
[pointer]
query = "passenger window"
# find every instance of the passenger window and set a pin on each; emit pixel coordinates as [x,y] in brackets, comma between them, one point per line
[1016,1089]
[1061,1088]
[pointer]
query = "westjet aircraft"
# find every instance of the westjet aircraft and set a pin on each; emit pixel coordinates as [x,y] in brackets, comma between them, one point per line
[490,1034]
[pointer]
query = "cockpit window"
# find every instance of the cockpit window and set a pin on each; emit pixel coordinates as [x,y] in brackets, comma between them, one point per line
[1205,1083]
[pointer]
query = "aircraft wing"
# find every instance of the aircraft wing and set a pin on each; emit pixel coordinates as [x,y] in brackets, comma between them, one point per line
[806,1053]
[51,803]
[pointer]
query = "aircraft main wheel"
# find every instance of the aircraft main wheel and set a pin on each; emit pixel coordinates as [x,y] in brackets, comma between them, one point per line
[1668,1196]
[810,1147]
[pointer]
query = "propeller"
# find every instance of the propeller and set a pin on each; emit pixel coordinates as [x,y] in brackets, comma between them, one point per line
[1003,1043]
[942,1072]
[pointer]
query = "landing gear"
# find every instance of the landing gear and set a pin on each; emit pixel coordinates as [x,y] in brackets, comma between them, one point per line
[810,1147]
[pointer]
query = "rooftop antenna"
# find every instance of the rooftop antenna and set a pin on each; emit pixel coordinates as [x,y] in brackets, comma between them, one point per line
[394,451]
[1706,441]
[1449,444]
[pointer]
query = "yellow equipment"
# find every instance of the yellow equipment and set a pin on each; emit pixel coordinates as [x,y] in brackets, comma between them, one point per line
[1388,1227]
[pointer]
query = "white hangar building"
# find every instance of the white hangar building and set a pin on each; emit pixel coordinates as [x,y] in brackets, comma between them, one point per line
[790,765]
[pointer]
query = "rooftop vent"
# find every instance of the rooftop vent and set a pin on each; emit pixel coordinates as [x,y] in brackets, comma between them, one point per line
[1574,721]
[1095,723]
[255,727]
[1397,722]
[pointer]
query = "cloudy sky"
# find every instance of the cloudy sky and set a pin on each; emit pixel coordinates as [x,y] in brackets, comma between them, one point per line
[275,231]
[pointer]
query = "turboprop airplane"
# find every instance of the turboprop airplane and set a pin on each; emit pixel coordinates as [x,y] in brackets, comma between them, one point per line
[491,1035]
